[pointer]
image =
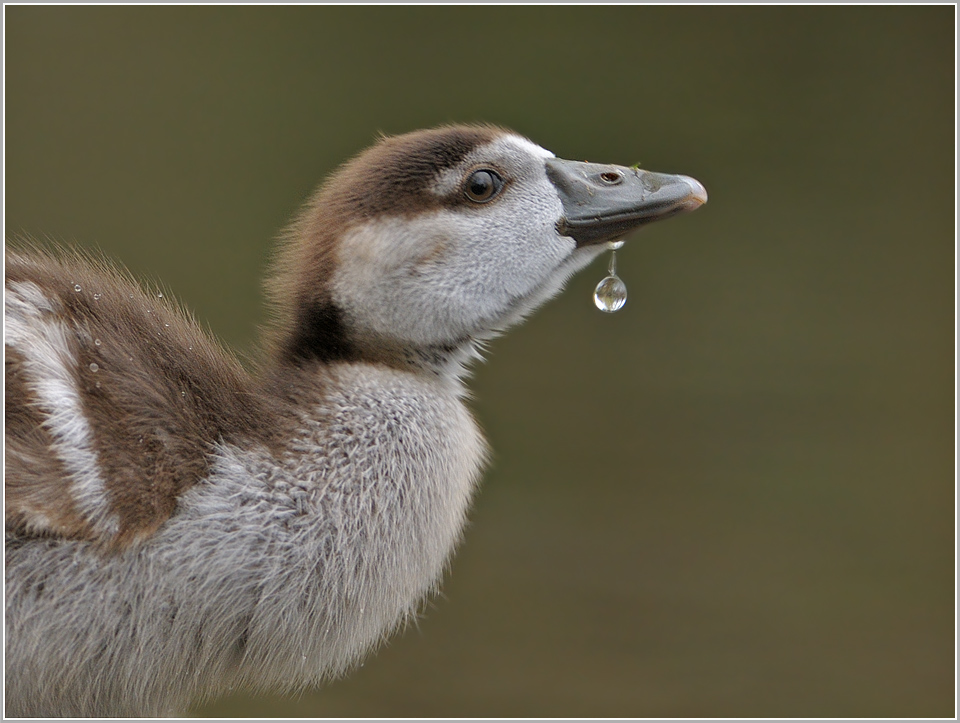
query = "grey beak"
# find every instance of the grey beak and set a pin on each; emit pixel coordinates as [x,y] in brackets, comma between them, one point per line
[604,203]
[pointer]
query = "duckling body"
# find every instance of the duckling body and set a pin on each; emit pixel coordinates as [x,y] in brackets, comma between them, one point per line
[178,527]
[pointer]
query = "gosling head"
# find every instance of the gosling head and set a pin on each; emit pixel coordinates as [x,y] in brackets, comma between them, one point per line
[430,241]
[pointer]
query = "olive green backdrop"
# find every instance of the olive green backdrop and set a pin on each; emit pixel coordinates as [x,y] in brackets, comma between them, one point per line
[733,498]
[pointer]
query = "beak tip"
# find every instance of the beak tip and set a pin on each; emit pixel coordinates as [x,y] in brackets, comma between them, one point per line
[698,194]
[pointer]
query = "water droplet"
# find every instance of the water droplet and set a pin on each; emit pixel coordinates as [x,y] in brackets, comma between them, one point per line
[97,342]
[189,348]
[94,367]
[96,297]
[610,295]
[166,325]
[615,245]
[76,287]
[98,385]
[159,294]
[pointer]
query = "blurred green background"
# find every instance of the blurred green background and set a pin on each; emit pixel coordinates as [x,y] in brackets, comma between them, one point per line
[733,498]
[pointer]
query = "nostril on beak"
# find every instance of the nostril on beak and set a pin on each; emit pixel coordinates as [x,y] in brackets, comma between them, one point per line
[611,178]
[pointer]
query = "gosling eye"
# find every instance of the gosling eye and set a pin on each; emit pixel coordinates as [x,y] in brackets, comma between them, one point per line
[483,185]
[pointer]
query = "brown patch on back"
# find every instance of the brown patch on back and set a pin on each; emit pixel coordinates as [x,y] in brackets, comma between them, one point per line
[162,394]
[393,178]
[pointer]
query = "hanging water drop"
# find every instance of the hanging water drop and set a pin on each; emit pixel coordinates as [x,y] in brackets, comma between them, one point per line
[159,294]
[611,293]
[76,287]
[94,367]
[96,297]
[97,342]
